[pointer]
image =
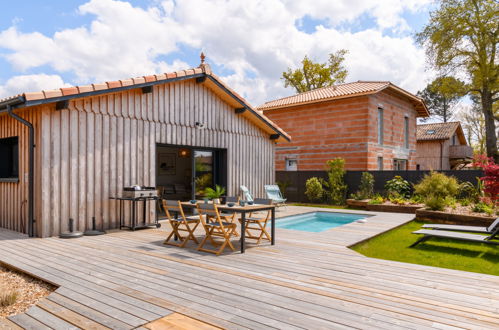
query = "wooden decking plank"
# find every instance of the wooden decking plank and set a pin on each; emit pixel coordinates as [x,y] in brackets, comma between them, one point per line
[88,312]
[6,324]
[27,322]
[215,295]
[69,316]
[106,309]
[178,292]
[126,310]
[310,276]
[49,319]
[395,309]
[309,308]
[179,321]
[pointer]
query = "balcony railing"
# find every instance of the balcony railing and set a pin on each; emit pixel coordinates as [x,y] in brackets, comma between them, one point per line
[460,152]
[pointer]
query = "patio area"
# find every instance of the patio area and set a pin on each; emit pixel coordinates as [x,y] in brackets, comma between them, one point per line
[126,280]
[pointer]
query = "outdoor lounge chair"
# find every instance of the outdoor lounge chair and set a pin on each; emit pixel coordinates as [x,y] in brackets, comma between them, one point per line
[257,222]
[180,223]
[216,228]
[274,193]
[472,229]
[456,236]
[246,194]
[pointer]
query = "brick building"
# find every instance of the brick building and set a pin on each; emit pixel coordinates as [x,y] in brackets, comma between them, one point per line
[371,124]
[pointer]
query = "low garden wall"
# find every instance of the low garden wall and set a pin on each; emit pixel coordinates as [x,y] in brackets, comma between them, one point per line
[453,219]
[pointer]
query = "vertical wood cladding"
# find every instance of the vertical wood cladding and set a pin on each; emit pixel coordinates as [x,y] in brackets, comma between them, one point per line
[90,151]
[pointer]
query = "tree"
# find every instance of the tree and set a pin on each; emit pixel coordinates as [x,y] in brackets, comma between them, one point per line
[461,37]
[441,96]
[474,126]
[316,75]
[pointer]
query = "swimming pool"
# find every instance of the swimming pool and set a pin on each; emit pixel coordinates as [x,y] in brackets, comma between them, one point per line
[317,222]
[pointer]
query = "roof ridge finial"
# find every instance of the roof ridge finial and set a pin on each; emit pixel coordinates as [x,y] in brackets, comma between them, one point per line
[204,66]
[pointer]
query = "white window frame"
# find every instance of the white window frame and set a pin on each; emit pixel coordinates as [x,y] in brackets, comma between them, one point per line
[291,164]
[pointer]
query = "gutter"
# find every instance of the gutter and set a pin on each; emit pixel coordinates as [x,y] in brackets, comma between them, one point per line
[10,105]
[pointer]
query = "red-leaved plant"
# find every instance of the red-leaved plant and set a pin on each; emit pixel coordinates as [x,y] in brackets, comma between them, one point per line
[490,179]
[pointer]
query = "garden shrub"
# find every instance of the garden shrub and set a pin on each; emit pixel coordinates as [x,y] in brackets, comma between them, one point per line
[468,191]
[366,187]
[313,190]
[335,187]
[437,189]
[376,200]
[7,297]
[398,187]
[482,207]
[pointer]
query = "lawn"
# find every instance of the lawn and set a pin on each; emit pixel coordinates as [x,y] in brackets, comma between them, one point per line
[468,256]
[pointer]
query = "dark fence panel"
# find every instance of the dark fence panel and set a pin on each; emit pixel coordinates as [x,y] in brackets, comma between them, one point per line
[295,191]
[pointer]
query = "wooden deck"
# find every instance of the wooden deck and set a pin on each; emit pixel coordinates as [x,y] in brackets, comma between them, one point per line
[126,280]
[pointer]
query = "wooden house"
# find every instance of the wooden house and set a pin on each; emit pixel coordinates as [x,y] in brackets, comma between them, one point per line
[174,130]
[370,124]
[442,146]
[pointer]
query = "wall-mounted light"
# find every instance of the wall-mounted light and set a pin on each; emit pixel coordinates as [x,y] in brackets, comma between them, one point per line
[184,153]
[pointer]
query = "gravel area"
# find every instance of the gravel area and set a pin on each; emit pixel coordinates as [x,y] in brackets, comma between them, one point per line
[29,291]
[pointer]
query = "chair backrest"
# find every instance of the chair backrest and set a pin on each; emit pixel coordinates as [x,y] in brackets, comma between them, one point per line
[273,191]
[209,210]
[231,199]
[173,206]
[493,226]
[246,194]
[263,201]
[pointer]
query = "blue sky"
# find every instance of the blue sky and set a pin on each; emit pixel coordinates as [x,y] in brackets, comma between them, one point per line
[47,43]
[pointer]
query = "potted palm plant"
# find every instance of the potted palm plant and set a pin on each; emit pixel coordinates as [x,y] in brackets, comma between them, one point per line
[215,194]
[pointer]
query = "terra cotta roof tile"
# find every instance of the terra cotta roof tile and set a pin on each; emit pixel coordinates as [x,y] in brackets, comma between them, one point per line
[342,91]
[437,131]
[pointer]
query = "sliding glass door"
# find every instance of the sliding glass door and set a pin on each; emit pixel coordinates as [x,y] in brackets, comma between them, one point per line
[203,171]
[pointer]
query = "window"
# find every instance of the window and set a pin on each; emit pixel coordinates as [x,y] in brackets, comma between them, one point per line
[406,132]
[9,154]
[291,164]
[418,167]
[400,164]
[454,140]
[380,163]
[380,125]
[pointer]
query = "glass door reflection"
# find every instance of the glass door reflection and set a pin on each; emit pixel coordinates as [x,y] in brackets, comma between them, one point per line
[203,171]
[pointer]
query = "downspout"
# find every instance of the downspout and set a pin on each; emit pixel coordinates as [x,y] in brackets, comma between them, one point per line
[31,166]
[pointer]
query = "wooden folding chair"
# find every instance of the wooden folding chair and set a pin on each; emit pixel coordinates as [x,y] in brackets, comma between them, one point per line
[180,223]
[258,222]
[230,216]
[216,228]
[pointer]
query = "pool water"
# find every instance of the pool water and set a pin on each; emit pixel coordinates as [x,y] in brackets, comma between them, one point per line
[317,222]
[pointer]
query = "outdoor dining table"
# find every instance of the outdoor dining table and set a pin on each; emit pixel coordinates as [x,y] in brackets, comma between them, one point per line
[243,210]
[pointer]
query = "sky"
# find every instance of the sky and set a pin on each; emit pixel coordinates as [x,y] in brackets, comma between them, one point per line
[58,43]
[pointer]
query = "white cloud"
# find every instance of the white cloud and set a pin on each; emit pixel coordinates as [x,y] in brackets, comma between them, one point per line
[257,40]
[30,83]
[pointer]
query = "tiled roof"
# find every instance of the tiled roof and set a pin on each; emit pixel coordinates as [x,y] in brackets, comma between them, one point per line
[437,131]
[342,91]
[48,96]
